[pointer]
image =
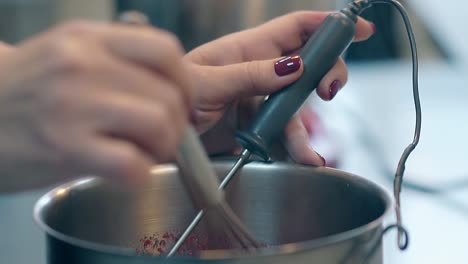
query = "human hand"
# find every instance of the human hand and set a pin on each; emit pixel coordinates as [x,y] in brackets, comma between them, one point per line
[4,48]
[233,74]
[90,99]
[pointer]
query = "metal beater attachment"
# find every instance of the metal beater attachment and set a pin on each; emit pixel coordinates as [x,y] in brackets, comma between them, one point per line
[201,182]
[244,158]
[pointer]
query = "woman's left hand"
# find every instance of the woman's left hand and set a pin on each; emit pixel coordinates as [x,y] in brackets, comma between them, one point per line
[233,74]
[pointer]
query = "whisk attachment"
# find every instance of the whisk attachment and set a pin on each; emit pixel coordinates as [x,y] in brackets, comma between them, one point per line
[237,228]
[201,181]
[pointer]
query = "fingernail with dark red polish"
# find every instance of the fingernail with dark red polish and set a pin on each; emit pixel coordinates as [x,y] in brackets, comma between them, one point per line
[374,27]
[288,65]
[324,162]
[335,87]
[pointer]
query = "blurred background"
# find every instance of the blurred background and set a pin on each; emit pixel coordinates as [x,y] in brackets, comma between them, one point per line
[366,127]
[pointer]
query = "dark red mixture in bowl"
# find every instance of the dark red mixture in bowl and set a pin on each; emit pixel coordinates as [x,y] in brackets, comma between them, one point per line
[161,244]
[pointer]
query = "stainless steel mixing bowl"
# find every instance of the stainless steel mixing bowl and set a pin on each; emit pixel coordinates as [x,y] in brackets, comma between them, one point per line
[306,215]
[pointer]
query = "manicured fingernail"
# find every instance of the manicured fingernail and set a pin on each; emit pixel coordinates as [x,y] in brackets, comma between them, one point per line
[324,162]
[374,27]
[335,87]
[288,65]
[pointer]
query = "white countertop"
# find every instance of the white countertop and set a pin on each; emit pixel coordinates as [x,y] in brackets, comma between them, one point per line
[447,21]
[376,108]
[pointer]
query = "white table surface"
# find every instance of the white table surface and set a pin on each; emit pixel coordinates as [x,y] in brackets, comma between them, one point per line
[447,21]
[376,107]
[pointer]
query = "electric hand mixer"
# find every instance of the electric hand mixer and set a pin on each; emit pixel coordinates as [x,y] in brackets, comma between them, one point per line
[319,55]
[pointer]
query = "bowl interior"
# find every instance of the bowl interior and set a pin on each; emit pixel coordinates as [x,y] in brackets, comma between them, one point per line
[279,203]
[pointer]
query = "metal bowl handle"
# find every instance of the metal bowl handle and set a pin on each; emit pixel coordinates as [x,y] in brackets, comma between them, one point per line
[403,240]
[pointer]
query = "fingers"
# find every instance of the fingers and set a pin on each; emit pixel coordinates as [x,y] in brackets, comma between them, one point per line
[298,146]
[290,31]
[260,78]
[275,38]
[124,89]
[287,32]
[143,80]
[153,48]
[4,47]
[150,86]
[272,39]
[364,30]
[265,77]
[148,47]
[154,127]
[113,159]
[333,81]
[250,78]
[119,137]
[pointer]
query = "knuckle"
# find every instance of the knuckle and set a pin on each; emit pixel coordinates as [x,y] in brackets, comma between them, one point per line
[57,102]
[169,41]
[68,49]
[128,162]
[253,73]
[66,56]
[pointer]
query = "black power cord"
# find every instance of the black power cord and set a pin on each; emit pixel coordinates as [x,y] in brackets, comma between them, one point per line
[357,7]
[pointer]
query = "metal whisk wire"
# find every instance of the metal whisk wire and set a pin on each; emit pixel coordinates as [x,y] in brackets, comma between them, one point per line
[200,179]
[202,183]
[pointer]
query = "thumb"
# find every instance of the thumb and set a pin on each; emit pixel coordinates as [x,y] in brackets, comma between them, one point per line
[255,77]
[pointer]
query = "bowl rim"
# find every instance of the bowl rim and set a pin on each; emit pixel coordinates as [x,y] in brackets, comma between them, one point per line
[283,249]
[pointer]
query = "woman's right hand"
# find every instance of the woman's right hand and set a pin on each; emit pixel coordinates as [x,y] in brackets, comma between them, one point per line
[90,99]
